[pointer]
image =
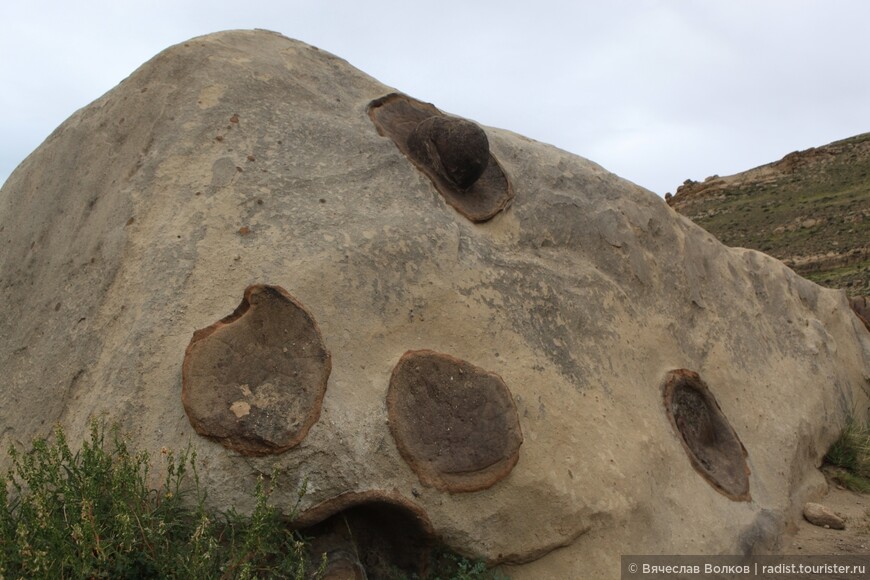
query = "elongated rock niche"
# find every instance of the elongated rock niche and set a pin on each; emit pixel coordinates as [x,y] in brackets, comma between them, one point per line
[454,153]
[255,380]
[708,438]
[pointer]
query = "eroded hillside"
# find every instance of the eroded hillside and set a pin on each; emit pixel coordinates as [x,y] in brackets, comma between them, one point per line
[811,209]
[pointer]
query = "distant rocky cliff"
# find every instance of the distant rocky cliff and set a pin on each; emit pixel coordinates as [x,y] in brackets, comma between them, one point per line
[810,209]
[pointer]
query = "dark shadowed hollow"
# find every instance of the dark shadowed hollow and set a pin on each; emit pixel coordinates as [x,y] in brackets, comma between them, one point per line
[374,531]
[711,444]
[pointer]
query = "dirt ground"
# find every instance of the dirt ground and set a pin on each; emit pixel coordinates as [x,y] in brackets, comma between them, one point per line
[854,540]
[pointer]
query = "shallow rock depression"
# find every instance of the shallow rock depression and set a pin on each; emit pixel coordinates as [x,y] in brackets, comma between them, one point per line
[252,246]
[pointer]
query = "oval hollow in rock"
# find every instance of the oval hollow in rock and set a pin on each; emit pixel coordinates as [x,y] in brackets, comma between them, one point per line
[713,447]
[453,153]
[255,380]
[455,424]
[370,534]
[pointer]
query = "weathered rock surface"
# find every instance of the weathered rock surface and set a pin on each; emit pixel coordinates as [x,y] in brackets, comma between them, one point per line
[255,380]
[861,306]
[454,153]
[245,158]
[821,516]
[455,424]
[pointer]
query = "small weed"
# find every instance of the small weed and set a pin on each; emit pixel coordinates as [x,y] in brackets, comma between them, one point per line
[851,453]
[454,567]
[447,565]
[865,524]
[851,481]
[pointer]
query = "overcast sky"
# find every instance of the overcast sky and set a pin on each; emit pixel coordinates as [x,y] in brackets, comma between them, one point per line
[656,91]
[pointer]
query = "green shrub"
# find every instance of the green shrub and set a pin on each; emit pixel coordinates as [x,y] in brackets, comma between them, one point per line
[92,514]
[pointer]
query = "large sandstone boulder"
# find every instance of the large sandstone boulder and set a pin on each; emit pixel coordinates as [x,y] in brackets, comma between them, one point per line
[251,246]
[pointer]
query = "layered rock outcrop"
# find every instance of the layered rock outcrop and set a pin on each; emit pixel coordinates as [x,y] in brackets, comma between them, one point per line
[810,209]
[228,250]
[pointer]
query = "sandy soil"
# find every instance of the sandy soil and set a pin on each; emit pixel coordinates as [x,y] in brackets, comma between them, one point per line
[854,540]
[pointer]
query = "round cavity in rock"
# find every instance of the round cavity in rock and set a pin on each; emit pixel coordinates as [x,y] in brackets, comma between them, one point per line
[454,423]
[453,153]
[255,380]
[456,149]
[373,534]
[713,447]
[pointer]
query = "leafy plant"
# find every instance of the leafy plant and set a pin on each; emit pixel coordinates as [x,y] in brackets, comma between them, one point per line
[448,565]
[93,514]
